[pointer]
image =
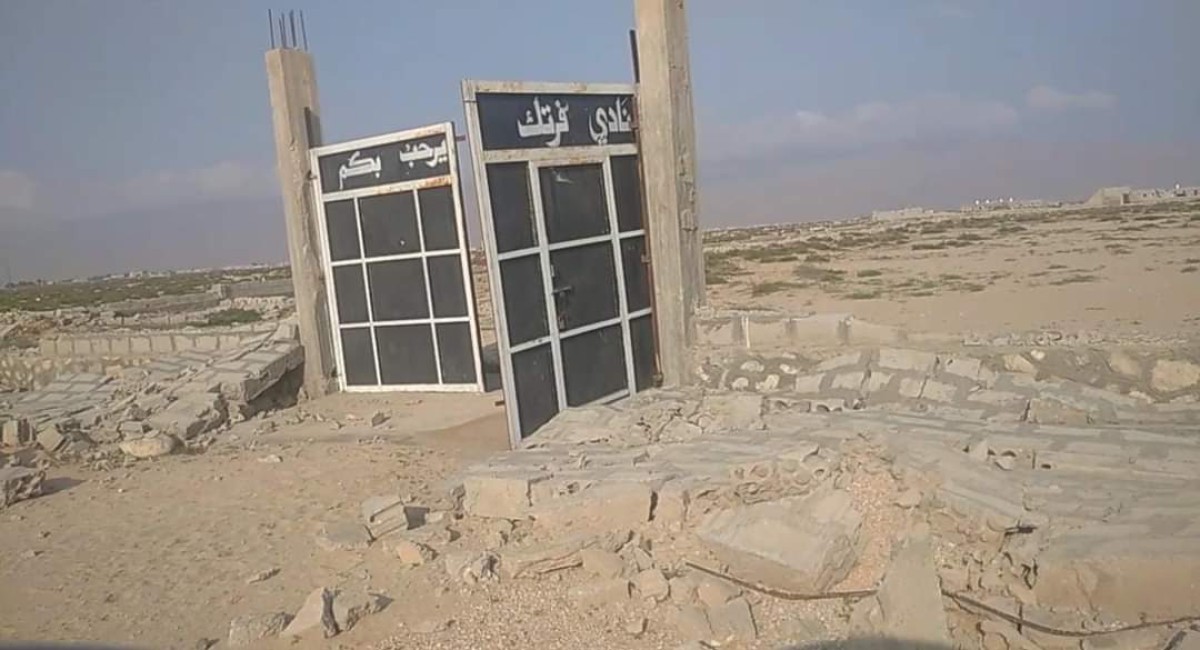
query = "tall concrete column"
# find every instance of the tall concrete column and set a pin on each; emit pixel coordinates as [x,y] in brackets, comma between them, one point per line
[296,115]
[668,148]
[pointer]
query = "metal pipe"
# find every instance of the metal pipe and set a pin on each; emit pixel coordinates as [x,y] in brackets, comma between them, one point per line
[271,26]
[303,30]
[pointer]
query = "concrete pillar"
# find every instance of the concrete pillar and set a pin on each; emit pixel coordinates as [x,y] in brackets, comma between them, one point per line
[668,148]
[296,115]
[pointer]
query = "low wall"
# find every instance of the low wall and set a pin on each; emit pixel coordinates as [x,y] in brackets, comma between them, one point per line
[263,289]
[765,331]
[144,344]
[21,371]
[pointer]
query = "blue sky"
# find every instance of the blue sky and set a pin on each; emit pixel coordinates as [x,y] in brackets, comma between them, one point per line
[820,108]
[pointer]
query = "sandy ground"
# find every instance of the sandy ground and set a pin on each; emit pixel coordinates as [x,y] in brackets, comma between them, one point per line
[1118,271]
[158,554]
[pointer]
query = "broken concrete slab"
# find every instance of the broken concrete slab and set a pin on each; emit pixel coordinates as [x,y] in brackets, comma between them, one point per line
[1131,578]
[608,506]
[245,630]
[714,592]
[804,544]
[910,597]
[343,536]
[190,415]
[315,615]
[19,484]
[386,514]
[470,567]
[496,496]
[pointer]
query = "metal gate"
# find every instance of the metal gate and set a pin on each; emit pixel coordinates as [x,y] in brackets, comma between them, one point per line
[560,199]
[395,254]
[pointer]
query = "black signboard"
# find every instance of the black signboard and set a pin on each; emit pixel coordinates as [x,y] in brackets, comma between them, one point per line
[393,162]
[538,120]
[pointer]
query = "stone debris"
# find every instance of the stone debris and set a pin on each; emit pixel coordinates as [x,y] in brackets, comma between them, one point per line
[612,505]
[910,597]
[20,483]
[16,432]
[378,418]
[343,536]
[151,446]
[538,559]
[601,593]
[798,544]
[410,552]
[353,604]
[470,567]
[602,564]
[316,614]
[494,496]
[245,630]
[387,514]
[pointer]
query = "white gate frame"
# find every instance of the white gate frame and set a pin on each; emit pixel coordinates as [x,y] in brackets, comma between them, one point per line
[462,251]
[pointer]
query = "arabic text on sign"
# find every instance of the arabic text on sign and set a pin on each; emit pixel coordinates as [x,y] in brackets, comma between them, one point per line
[540,122]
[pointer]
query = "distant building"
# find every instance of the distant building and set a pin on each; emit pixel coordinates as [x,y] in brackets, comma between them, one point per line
[1114,196]
[902,213]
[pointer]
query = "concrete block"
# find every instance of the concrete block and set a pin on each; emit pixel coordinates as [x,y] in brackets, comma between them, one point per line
[81,347]
[140,345]
[1019,364]
[939,391]
[819,330]
[809,384]
[228,341]
[343,536]
[671,506]
[911,360]
[20,483]
[162,344]
[965,367]
[863,333]
[652,584]
[604,507]
[206,342]
[101,346]
[182,342]
[120,346]
[722,331]
[692,623]
[910,598]
[799,544]
[911,388]
[1124,364]
[47,347]
[16,432]
[352,605]
[847,360]
[768,332]
[496,496]
[849,381]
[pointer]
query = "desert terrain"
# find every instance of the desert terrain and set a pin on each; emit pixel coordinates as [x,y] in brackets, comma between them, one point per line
[234,532]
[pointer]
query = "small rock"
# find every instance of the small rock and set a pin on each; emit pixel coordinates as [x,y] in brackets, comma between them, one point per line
[378,418]
[315,614]
[245,630]
[909,498]
[352,605]
[132,429]
[343,536]
[1005,462]
[652,584]
[409,552]
[271,459]
[204,644]
[636,626]
[151,446]
[1037,355]
[30,554]
[265,574]
[20,483]
[601,563]
[1168,376]
[1018,363]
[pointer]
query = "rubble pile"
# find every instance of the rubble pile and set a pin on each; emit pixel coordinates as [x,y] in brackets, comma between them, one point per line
[153,410]
[690,511]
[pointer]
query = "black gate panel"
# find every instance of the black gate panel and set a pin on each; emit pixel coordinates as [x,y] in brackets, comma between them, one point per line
[561,206]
